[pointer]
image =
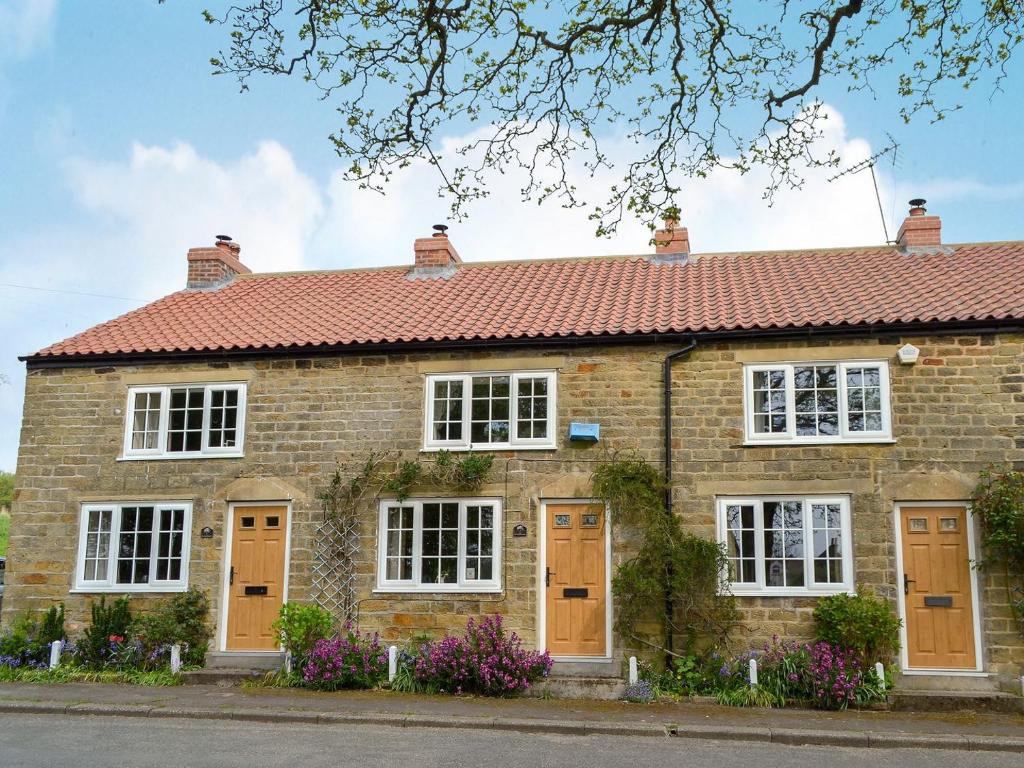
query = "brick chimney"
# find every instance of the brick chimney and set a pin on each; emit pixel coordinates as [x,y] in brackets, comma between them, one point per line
[435,253]
[672,239]
[919,229]
[210,268]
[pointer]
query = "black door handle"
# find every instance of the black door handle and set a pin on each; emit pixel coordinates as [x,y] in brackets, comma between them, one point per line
[548,573]
[231,575]
[907,581]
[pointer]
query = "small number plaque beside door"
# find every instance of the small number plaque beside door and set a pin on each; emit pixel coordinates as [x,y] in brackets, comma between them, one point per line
[262,590]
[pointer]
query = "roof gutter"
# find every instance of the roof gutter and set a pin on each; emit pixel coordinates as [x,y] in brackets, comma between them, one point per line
[880,329]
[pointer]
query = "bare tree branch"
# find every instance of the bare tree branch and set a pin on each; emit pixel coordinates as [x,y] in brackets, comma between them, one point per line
[540,87]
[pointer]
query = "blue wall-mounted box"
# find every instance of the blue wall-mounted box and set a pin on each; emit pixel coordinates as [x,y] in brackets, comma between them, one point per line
[584,433]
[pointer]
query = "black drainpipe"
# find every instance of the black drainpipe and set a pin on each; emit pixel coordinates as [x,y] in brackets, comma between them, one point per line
[666,378]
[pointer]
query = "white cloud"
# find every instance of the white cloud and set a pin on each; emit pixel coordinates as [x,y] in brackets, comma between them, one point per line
[164,200]
[24,26]
[723,212]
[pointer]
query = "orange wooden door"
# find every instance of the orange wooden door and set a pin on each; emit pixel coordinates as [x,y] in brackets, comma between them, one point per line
[937,583]
[256,588]
[576,599]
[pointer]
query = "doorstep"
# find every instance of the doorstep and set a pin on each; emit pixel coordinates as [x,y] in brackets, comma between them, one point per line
[904,700]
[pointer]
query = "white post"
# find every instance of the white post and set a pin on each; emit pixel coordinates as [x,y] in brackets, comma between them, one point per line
[55,648]
[288,662]
[753,673]
[392,662]
[633,673]
[880,671]
[175,658]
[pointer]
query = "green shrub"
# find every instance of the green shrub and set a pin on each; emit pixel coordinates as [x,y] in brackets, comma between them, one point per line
[863,623]
[26,643]
[102,643]
[298,628]
[182,620]
[51,628]
[998,505]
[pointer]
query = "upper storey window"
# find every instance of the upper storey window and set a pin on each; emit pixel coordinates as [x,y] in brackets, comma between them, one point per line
[490,410]
[817,402]
[185,421]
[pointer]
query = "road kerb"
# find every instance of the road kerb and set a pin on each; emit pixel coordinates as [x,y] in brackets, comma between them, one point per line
[788,736]
[115,710]
[723,732]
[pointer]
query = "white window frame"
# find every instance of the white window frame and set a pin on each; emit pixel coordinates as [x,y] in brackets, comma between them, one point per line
[810,588]
[884,435]
[465,444]
[110,584]
[206,451]
[413,585]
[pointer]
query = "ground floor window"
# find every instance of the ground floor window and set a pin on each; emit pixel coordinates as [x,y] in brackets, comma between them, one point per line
[440,545]
[134,547]
[787,545]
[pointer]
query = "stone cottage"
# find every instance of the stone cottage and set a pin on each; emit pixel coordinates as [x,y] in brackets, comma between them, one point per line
[824,413]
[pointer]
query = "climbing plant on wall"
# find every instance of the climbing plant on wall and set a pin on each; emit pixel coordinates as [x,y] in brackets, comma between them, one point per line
[358,485]
[670,594]
[998,505]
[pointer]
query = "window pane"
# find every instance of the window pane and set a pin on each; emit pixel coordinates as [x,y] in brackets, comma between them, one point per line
[185,429]
[783,543]
[827,547]
[169,544]
[479,542]
[223,418]
[816,399]
[489,414]
[134,545]
[740,542]
[532,410]
[439,543]
[447,410]
[97,545]
[864,399]
[769,402]
[145,421]
[398,566]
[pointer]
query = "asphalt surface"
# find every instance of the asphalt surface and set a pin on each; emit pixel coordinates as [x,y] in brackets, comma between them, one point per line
[87,741]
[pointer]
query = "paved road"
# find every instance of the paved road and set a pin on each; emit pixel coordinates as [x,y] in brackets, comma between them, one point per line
[86,741]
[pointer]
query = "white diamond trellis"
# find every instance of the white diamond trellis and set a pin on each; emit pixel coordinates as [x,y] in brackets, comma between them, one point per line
[334,577]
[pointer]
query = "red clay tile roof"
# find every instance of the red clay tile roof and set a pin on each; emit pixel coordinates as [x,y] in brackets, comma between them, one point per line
[574,298]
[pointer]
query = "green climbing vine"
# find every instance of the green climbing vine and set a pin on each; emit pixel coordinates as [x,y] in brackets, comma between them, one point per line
[386,473]
[670,594]
[998,505]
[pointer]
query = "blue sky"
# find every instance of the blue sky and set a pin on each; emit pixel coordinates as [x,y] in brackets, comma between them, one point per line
[119,150]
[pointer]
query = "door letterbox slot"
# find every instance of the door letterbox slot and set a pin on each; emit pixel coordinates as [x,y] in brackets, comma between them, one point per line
[575,592]
[256,590]
[938,601]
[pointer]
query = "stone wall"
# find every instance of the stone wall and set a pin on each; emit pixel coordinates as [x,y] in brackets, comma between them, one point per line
[304,417]
[959,408]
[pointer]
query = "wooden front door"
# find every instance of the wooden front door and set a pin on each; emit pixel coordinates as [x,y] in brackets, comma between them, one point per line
[256,578]
[576,590]
[937,588]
